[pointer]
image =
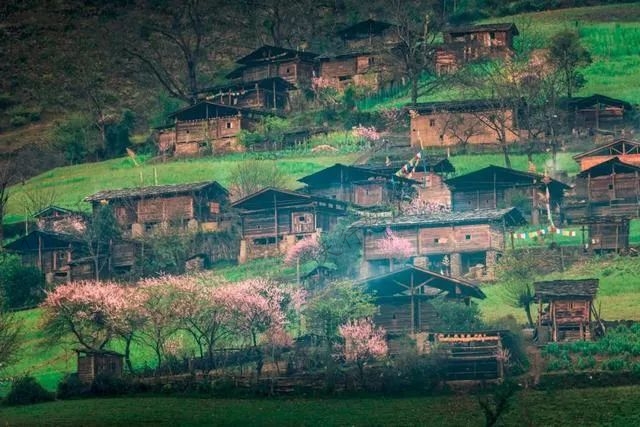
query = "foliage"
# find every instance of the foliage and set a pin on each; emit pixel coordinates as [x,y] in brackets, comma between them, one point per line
[457,316]
[26,390]
[77,138]
[250,176]
[567,54]
[98,236]
[341,248]
[494,406]
[117,135]
[10,339]
[368,134]
[362,341]
[20,285]
[168,250]
[70,386]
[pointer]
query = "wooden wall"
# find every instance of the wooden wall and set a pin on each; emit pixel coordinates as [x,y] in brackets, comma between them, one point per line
[192,137]
[609,236]
[440,129]
[608,188]
[394,315]
[163,209]
[434,190]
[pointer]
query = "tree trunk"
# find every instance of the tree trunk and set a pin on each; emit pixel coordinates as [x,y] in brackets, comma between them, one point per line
[127,353]
[414,88]
[527,310]
[505,152]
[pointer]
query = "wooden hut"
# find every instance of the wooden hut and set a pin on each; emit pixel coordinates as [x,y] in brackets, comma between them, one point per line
[265,94]
[626,150]
[461,123]
[468,356]
[468,43]
[266,62]
[596,112]
[451,242]
[495,187]
[363,69]
[272,220]
[357,185]
[565,309]
[196,206]
[369,33]
[207,128]
[404,298]
[93,363]
[60,220]
[60,256]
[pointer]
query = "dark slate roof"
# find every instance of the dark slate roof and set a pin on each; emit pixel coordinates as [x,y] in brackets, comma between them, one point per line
[467,105]
[50,240]
[588,101]
[502,26]
[206,109]
[389,284]
[269,197]
[566,289]
[154,191]
[42,213]
[619,146]
[342,54]
[426,164]
[511,216]
[269,53]
[609,167]
[280,84]
[364,29]
[500,177]
[344,173]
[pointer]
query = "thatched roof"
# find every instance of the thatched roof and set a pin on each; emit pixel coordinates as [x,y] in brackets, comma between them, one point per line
[566,289]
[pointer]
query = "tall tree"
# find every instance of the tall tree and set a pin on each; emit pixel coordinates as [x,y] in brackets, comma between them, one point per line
[417,27]
[567,54]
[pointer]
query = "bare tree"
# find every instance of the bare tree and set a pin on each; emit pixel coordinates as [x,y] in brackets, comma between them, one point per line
[461,130]
[250,176]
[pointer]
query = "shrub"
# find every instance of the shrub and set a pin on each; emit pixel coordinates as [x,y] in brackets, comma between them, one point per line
[26,390]
[615,364]
[20,285]
[71,386]
[108,385]
[588,362]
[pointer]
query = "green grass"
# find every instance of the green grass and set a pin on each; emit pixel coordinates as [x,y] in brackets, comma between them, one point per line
[584,407]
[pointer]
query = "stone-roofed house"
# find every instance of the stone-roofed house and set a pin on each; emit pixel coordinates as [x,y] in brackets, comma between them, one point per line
[451,242]
[266,94]
[196,206]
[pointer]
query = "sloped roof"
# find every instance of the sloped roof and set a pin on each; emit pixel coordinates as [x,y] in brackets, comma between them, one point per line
[609,167]
[566,289]
[280,85]
[467,105]
[391,284]
[500,177]
[364,29]
[618,146]
[267,53]
[50,241]
[269,198]
[45,212]
[343,173]
[501,26]
[588,101]
[426,164]
[511,217]
[154,191]
[207,109]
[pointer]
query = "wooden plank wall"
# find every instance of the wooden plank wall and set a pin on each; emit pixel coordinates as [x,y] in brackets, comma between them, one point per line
[165,209]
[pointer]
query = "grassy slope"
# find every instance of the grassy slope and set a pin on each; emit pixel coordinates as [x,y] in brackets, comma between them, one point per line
[584,407]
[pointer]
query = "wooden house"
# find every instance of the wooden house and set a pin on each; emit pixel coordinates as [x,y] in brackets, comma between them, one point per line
[495,187]
[60,220]
[565,309]
[610,188]
[266,94]
[596,112]
[93,363]
[628,151]
[294,66]
[272,220]
[452,242]
[361,69]
[404,298]
[358,186]
[196,206]
[461,123]
[61,257]
[207,128]
[468,43]
[368,34]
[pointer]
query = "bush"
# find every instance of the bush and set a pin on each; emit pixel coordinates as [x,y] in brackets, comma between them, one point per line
[615,364]
[20,285]
[71,386]
[108,385]
[26,390]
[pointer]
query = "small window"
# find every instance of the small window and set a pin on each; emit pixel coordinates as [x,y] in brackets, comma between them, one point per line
[610,186]
[229,125]
[301,219]
[372,60]
[467,237]
[432,122]
[492,35]
[288,70]
[264,241]
[436,240]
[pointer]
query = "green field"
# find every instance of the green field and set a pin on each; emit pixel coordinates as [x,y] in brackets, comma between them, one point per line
[583,407]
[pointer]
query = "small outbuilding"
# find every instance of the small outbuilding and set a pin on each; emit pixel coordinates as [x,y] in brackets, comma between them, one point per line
[565,309]
[92,363]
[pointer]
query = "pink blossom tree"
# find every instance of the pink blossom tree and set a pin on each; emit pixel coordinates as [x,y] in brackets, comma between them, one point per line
[368,134]
[396,248]
[363,342]
[307,249]
[88,310]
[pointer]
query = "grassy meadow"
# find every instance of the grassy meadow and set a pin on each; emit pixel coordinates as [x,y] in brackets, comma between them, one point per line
[615,406]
